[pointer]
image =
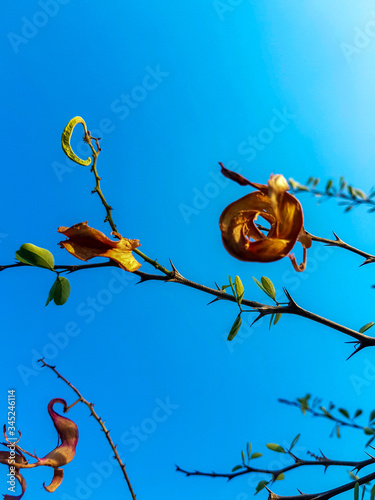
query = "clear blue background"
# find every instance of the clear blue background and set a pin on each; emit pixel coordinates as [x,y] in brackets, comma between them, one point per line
[226,69]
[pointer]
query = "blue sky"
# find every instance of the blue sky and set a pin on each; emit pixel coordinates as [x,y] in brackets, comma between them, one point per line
[173,89]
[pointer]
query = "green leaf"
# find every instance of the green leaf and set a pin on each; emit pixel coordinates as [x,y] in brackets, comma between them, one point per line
[326,413]
[329,185]
[235,328]
[338,431]
[260,486]
[271,319]
[256,455]
[237,467]
[344,412]
[372,497]
[240,291]
[62,291]
[277,318]
[359,193]
[351,191]
[35,256]
[356,491]
[232,287]
[65,141]
[275,447]
[353,476]
[294,442]
[280,477]
[268,286]
[369,431]
[358,413]
[248,448]
[243,456]
[260,285]
[316,181]
[365,327]
[51,293]
[59,292]
[304,402]
[372,416]
[364,491]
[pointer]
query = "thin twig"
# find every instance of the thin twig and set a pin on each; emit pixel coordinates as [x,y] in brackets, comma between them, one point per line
[353,198]
[329,415]
[99,420]
[338,242]
[108,208]
[298,462]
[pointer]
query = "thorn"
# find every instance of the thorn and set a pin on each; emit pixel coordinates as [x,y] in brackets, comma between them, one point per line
[369,260]
[212,301]
[299,491]
[335,235]
[369,455]
[291,301]
[270,492]
[176,274]
[323,454]
[355,351]
[217,286]
[256,319]
[173,266]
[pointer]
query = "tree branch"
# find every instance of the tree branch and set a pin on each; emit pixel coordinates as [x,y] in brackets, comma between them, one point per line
[337,242]
[352,197]
[324,461]
[99,420]
[361,340]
